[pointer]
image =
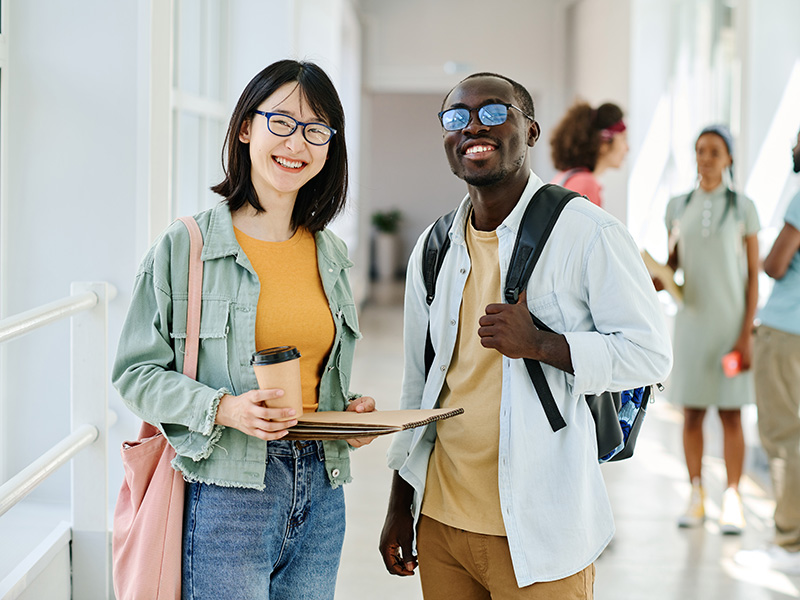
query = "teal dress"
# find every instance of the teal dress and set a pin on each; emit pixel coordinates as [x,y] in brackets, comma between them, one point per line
[712,255]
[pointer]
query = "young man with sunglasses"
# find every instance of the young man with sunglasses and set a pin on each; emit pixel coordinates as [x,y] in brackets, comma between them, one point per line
[499,504]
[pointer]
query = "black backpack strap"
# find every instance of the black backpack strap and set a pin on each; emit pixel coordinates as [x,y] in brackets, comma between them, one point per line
[537,223]
[436,245]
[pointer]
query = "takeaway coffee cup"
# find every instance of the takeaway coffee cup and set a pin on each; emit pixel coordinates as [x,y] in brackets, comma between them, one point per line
[279,367]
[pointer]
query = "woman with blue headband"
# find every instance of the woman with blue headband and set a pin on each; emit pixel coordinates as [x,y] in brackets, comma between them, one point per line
[713,239]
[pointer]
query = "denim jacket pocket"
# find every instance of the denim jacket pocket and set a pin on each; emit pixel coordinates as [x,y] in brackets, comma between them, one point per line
[348,317]
[547,310]
[213,367]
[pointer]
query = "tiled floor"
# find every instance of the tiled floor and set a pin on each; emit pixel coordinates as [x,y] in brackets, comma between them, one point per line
[650,558]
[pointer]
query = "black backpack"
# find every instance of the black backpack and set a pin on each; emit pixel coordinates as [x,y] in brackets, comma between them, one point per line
[618,416]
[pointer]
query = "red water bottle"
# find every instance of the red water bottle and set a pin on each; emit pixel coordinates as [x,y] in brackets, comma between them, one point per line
[732,363]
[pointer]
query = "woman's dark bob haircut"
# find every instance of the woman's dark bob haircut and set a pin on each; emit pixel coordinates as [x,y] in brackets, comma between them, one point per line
[323,197]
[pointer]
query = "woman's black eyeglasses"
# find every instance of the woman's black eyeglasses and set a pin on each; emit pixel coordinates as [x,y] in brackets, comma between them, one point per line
[282,125]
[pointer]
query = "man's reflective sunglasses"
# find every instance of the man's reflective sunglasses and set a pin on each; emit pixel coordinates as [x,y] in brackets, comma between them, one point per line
[282,125]
[455,119]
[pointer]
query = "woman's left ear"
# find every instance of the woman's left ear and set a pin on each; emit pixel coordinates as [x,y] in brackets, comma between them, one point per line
[244,131]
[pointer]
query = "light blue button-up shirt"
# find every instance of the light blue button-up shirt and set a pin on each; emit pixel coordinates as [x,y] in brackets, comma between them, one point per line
[591,285]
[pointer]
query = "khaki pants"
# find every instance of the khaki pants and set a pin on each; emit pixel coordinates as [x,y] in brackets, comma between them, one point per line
[777,379]
[470,566]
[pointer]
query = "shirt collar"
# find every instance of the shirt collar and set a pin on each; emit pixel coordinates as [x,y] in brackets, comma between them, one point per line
[220,240]
[511,222]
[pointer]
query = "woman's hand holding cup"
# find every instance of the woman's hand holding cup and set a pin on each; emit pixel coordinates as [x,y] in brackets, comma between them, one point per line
[249,414]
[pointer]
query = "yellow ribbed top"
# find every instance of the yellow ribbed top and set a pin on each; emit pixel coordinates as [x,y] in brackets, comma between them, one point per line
[292,306]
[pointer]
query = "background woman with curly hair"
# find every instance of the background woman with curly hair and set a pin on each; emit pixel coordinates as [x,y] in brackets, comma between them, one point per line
[585,143]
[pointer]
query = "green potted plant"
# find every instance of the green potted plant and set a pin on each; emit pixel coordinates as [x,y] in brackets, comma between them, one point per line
[387,221]
[387,226]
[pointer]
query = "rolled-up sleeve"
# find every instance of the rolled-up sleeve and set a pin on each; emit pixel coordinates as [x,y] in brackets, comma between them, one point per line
[630,346]
[145,376]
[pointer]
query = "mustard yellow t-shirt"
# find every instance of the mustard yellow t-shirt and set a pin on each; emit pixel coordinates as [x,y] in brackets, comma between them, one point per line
[461,488]
[292,306]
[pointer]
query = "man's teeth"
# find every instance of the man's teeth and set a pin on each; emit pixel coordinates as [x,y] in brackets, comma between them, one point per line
[289,164]
[474,149]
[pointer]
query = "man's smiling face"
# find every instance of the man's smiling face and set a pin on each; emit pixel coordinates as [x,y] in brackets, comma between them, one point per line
[484,155]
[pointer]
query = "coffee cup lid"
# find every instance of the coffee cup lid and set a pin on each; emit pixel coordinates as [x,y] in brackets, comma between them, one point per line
[271,356]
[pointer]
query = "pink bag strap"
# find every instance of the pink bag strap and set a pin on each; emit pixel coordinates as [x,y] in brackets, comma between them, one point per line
[567,175]
[195,297]
[193,313]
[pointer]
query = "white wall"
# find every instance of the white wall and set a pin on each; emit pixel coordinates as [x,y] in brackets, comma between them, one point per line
[600,72]
[409,170]
[771,107]
[415,52]
[71,176]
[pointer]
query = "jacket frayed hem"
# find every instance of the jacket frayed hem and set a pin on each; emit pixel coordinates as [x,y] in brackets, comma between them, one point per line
[208,426]
[336,484]
[210,445]
[188,478]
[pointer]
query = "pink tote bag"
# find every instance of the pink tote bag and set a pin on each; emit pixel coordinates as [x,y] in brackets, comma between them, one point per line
[148,518]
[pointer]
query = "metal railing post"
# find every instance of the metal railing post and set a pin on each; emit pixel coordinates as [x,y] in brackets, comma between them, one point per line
[91,557]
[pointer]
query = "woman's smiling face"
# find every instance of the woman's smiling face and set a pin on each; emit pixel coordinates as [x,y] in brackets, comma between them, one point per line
[282,164]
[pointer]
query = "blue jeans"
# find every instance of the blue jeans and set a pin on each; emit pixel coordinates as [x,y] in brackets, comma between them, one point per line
[283,542]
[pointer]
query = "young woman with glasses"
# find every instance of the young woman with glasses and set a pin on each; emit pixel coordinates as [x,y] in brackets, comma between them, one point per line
[264,517]
[586,143]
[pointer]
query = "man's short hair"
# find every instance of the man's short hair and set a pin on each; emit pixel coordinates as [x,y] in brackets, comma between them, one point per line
[521,94]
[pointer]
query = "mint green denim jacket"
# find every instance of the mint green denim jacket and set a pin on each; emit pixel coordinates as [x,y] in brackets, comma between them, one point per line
[148,366]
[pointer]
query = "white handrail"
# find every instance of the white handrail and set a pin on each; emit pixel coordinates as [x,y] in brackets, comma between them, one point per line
[35,318]
[24,482]
[86,448]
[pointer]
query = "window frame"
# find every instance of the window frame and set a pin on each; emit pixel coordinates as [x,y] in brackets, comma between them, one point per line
[4,292]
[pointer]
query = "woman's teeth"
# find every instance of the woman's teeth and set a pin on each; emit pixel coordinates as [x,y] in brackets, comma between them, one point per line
[289,164]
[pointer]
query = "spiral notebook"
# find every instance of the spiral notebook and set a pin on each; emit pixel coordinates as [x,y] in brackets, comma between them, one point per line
[336,425]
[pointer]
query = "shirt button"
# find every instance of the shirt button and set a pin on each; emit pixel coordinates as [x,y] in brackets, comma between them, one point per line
[335,472]
[330,270]
[442,368]
[452,321]
[462,271]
